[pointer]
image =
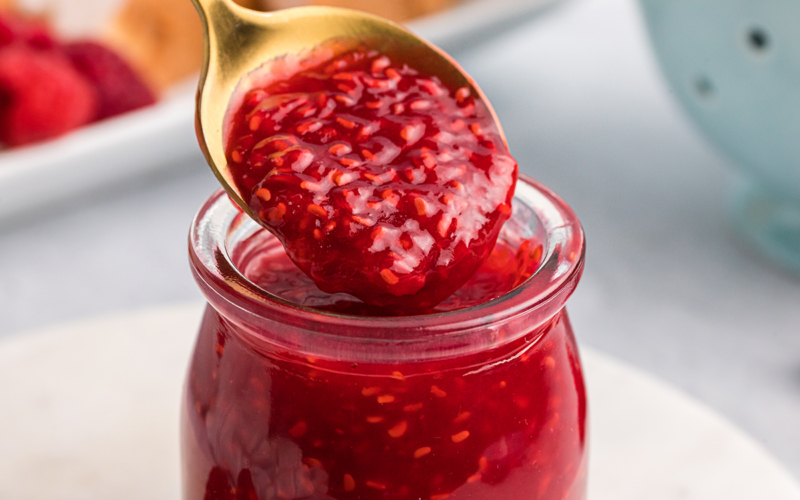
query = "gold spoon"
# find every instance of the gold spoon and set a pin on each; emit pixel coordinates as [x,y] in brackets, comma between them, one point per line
[239,41]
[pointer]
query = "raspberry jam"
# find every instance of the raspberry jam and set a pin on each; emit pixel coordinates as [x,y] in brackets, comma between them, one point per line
[297,394]
[263,260]
[379,180]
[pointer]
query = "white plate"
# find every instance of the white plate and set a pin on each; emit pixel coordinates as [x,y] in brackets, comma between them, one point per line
[156,138]
[90,411]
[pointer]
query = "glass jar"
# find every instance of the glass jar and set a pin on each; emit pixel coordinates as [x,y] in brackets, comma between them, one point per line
[288,402]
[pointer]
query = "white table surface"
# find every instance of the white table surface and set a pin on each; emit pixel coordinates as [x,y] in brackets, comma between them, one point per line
[91,412]
[666,287]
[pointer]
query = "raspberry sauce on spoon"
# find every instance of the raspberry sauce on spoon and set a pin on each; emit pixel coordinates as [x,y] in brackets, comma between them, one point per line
[379,180]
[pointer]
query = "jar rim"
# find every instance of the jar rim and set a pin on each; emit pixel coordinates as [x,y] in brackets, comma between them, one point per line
[320,333]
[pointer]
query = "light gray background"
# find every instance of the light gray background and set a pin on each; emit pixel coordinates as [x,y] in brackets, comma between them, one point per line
[666,287]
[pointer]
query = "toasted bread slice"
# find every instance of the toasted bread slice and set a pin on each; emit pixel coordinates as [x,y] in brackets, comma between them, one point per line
[7,5]
[163,39]
[396,10]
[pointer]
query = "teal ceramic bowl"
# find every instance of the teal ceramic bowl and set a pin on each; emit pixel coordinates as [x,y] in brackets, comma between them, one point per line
[735,67]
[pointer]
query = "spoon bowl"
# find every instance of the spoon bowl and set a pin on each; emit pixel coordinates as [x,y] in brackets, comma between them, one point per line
[244,47]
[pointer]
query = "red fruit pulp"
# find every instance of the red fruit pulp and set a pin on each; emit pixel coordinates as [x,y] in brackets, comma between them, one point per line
[379,180]
[262,423]
[264,262]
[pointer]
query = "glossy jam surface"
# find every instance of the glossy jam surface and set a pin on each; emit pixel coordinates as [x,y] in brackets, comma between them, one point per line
[264,262]
[264,423]
[379,180]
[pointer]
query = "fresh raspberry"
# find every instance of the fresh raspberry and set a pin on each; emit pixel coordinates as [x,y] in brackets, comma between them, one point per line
[29,32]
[379,180]
[119,88]
[41,95]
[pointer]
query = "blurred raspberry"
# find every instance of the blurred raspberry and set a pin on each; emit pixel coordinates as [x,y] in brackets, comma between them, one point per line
[119,88]
[30,32]
[41,95]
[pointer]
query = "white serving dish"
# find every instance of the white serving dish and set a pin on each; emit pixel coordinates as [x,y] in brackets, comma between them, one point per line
[89,411]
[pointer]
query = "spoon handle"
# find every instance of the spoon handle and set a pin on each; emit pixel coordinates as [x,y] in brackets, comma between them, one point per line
[215,14]
[222,20]
[205,7]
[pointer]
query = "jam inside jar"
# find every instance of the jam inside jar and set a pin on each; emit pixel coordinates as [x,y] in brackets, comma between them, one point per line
[295,395]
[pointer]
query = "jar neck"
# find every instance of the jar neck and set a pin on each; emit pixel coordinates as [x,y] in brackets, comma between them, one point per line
[266,319]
